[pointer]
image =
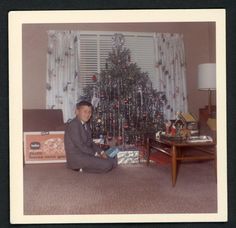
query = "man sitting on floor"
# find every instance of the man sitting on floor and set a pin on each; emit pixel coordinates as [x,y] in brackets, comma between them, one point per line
[81,152]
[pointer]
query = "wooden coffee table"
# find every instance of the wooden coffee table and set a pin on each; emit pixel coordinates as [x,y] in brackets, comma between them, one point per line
[202,151]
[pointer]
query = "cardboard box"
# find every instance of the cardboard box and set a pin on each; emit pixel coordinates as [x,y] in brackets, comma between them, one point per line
[44,147]
[128,157]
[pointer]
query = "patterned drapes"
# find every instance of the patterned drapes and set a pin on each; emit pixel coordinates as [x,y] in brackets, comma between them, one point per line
[171,70]
[63,72]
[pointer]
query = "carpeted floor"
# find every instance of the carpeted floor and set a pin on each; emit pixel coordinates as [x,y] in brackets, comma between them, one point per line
[52,189]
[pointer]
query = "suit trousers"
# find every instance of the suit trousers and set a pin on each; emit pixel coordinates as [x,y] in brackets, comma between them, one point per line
[92,164]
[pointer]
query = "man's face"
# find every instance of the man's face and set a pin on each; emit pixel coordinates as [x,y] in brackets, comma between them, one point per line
[84,113]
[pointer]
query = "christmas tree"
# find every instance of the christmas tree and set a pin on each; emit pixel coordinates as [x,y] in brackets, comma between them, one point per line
[126,107]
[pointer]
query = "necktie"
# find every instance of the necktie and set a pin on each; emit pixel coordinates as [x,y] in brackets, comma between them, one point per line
[85,127]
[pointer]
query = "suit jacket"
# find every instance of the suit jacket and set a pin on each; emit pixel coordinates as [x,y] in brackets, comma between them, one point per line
[79,144]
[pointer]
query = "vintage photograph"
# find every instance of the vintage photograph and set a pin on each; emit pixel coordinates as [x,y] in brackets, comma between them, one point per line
[118,119]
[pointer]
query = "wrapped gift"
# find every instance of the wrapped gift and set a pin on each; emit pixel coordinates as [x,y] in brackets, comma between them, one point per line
[128,156]
[112,152]
[44,147]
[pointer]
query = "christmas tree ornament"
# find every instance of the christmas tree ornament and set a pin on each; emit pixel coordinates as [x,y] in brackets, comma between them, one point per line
[94,78]
[109,137]
[126,125]
[119,138]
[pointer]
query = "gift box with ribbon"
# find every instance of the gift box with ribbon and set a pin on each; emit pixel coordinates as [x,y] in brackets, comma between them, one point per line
[128,156]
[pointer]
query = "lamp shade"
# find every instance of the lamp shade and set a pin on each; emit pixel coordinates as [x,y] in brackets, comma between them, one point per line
[207,76]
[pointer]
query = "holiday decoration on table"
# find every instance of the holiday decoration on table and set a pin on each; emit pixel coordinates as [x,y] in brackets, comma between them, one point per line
[183,127]
[126,107]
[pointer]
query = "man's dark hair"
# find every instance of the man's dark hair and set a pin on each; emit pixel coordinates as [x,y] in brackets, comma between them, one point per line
[83,103]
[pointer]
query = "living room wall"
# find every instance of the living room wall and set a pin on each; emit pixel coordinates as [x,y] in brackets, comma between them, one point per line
[199,40]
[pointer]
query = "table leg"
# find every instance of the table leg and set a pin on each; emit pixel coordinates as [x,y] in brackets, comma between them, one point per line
[174,165]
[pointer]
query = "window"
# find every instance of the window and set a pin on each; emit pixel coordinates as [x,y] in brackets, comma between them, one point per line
[143,53]
[95,47]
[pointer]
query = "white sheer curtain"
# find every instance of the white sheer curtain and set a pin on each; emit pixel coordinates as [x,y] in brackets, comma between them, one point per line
[63,72]
[171,72]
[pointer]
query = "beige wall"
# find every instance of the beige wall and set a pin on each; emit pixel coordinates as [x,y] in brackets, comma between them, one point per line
[199,40]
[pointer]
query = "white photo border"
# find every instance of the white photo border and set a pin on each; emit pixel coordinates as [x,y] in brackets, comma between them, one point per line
[18,18]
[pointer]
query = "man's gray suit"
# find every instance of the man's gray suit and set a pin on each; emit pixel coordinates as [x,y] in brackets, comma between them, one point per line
[80,149]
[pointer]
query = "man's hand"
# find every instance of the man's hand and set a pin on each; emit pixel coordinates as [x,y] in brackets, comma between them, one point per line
[103,155]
